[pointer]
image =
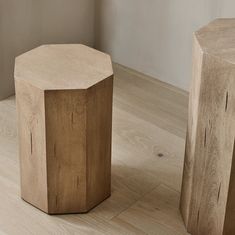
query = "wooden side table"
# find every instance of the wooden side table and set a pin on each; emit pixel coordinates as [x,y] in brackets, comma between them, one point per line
[64,102]
[208,189]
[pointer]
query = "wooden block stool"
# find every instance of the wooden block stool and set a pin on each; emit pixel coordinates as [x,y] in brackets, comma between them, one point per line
[64,102]
[208,189]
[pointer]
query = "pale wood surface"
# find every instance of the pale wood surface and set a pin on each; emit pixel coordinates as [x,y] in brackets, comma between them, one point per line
[207,201]
[217,39]
[60,67]
[148,147]
[32,144]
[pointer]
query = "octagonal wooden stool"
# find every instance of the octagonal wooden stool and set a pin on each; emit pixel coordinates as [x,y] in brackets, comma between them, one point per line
[208,189]
[64,102]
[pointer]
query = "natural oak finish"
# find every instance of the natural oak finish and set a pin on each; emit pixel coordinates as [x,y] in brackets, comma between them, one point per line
[64,100]
[207,200]
[149,120]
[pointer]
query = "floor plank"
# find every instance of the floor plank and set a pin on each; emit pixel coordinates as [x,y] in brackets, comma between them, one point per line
[159,207]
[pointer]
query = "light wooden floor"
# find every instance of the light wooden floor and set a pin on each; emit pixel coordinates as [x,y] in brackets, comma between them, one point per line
[148,149]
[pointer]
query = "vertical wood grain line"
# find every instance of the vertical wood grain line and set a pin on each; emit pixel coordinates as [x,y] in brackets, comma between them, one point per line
[205,138]
[226,102]
[31,142]
[218,196]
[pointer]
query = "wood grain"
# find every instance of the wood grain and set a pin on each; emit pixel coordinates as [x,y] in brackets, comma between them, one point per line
[63,67]
[66,150]
[98,137]
[32,144]
[207,190]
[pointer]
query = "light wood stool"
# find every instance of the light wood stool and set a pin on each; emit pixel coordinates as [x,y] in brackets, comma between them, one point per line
[208,189]
[64,102]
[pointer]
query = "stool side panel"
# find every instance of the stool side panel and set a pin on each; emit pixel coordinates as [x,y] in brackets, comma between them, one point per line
[99,141]
[66,150]
[32,147]
[213,152]
[229,225]
[193,107]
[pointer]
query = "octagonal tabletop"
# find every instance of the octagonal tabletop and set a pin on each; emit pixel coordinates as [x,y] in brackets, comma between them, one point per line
[217,39]
[63,67]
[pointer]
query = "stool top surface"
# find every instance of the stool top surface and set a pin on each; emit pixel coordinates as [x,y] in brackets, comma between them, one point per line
[63,66]
[218,39]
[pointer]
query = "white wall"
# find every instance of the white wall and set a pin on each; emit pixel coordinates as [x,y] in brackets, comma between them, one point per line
[151,36]
[155,36]
[25,24]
